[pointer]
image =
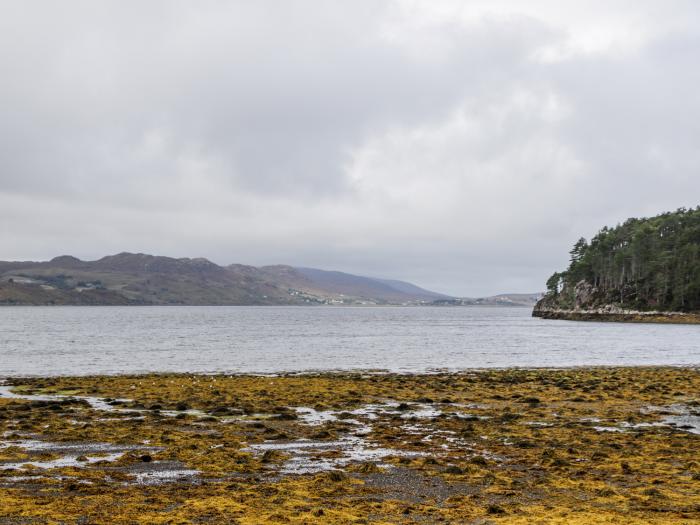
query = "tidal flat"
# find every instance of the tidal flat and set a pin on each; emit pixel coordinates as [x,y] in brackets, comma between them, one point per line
[584,445]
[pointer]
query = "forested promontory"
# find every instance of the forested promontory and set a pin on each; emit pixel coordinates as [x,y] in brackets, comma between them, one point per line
[643,269]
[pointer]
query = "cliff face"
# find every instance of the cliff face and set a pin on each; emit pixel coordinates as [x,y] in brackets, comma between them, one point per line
[582,296]
[587,303]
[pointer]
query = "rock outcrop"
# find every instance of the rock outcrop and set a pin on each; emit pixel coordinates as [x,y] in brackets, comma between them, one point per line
[586,303]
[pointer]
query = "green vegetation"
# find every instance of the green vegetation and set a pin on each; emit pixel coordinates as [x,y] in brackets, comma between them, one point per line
[643,264]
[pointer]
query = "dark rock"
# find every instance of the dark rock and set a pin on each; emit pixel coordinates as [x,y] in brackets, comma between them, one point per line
[495,510]
[479,460]
[335,475]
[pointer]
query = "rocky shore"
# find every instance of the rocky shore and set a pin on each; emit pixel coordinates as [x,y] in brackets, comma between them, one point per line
[586,303]
[577,446]
[614,314]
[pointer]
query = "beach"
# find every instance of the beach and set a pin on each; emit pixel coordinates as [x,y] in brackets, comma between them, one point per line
[578,445]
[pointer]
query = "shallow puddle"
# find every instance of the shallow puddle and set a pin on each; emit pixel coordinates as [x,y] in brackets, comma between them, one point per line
[159,472]
[676,416]
[70,454]
[317,456]
[687,423]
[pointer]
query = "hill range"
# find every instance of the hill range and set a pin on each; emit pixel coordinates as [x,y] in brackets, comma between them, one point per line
[141,279]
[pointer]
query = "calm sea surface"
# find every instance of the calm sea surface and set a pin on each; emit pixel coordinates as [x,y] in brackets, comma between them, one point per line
[112,340]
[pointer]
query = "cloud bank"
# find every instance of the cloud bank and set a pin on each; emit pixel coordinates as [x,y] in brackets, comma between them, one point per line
[464,147]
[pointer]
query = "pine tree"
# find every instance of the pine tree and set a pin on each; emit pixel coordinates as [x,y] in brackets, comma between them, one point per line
[651,263]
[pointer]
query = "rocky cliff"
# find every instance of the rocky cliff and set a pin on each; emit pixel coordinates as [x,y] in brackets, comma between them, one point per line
[589,305]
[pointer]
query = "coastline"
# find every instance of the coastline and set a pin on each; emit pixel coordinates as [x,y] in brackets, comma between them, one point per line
[617,316]
[516,446]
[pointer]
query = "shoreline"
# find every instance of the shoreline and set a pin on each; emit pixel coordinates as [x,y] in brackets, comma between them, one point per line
[622,316]
[358,372]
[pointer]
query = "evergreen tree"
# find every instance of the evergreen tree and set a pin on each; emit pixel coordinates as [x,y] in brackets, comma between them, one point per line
[651,263]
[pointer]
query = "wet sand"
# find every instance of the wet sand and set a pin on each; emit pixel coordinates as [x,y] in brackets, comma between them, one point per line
[589,445]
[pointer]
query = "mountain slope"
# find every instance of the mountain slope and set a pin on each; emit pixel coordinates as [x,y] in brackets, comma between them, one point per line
[128,278]
[346,284]
[412,289]
[138,279]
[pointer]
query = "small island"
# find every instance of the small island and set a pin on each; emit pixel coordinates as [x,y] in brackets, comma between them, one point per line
[645,270]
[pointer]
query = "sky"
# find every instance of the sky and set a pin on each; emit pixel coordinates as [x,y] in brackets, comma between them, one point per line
[462,146]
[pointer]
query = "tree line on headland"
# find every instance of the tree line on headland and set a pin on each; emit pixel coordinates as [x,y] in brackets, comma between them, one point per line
[642,264]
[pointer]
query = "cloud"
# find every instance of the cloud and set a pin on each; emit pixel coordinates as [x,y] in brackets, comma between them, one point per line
[462,146]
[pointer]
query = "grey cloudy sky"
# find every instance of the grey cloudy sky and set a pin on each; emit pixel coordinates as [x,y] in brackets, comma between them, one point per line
[463,146]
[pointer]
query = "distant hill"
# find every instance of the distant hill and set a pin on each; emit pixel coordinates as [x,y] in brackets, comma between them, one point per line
[354,285]
[136,278]
[513,299]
